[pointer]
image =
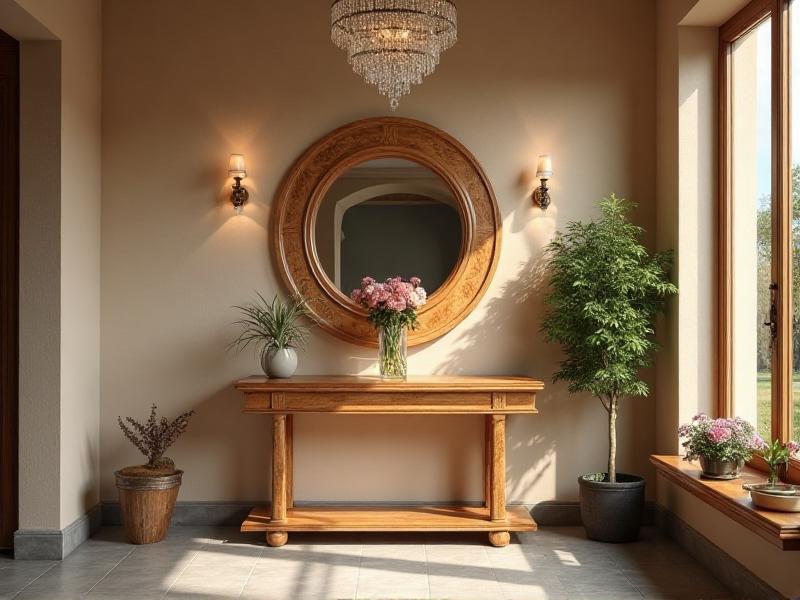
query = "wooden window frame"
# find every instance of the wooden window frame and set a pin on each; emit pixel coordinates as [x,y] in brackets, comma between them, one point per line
[740,24]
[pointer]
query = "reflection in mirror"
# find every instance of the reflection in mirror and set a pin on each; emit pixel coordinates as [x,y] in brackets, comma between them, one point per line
[388,217]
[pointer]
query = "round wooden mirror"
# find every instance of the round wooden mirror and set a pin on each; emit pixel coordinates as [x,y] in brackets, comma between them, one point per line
[383,197]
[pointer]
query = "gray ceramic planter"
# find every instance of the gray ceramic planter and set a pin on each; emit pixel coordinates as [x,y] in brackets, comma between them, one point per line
[280,363]
[612,512]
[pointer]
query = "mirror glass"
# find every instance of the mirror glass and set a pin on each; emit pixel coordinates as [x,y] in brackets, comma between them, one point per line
[388,217]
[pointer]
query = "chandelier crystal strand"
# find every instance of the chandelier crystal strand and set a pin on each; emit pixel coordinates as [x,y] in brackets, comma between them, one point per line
[393,44]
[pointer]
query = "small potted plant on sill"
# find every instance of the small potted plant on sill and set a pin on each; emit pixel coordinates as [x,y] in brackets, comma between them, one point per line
[777,455]
[721,445]
[606,291]
[275,330]
[147,493]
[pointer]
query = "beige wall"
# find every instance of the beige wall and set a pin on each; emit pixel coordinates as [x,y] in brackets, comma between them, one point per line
[686,215]
[697,193]
[205,78]
[60,266]
[40,301]
[668,15]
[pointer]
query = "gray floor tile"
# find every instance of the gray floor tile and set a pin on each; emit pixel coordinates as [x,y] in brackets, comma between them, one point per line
[219,562]
[72,580]
[49,595]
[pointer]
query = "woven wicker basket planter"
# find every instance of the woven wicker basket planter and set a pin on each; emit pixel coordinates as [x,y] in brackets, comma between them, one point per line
[146,505]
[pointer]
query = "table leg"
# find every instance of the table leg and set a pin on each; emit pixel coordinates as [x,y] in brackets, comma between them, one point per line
[289,461]
[487,461]
[279,480]
[497,506]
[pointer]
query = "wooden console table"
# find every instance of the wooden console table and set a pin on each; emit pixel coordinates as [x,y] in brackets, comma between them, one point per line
[494,397]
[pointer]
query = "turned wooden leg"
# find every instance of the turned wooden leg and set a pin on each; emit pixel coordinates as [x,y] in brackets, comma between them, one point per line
[487,461]
[276,539]
[289,461]
[279,480]
[498,482]
[497,506]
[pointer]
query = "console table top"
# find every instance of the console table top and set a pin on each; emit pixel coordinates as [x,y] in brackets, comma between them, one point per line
[431,383]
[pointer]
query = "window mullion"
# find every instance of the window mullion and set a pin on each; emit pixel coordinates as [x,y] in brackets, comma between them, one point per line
[782,229]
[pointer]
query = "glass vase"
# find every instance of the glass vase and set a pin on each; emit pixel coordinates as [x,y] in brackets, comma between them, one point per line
[773,478]
[392,352]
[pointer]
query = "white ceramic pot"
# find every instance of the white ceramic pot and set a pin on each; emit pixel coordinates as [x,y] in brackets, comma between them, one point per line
[279,362]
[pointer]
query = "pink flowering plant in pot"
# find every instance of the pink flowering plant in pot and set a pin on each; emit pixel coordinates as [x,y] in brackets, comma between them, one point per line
[392,307]
[722,445]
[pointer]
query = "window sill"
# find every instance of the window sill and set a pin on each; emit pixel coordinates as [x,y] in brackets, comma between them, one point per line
[780,529]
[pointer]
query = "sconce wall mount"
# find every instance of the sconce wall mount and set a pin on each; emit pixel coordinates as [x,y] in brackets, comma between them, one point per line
[544,170]
[239,193]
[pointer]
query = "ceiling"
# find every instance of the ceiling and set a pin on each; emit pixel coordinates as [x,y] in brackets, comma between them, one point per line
[712,13]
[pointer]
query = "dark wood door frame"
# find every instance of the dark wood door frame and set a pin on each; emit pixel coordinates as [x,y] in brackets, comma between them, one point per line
[9,287]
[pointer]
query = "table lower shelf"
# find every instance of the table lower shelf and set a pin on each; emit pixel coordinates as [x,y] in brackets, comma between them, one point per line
[389,518]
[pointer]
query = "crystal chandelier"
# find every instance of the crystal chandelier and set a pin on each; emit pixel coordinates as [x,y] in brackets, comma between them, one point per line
[393,44]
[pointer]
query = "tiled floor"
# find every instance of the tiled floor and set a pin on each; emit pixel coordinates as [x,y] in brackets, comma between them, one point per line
[212,563]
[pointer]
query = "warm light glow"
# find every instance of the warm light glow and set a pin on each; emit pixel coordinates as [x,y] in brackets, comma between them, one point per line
[236,166]
[544,167]
[394,34]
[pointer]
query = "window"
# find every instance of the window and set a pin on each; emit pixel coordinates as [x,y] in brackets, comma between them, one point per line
[759,234]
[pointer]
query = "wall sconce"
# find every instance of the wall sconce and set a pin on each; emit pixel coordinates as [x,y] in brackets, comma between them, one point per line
[544,170]
[239,193]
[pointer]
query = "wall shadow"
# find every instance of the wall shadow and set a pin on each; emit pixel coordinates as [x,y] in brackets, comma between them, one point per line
[513,314]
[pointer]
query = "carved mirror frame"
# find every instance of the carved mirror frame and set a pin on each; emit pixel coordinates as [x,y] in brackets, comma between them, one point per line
[311,176]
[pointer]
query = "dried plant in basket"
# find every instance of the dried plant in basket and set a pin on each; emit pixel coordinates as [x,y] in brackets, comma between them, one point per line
[152,438]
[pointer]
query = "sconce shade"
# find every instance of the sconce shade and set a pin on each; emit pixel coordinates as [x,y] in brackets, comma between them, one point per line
[544,167]
[236,166]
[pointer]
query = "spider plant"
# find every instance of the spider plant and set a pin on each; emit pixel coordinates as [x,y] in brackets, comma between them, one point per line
[272,325]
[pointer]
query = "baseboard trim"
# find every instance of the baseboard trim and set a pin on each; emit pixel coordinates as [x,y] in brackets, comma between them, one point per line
[553,513]
[560,513]
[738,578]
[192,513]
[56,544]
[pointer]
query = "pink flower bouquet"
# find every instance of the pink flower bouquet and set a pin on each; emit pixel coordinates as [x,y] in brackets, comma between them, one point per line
[392,307]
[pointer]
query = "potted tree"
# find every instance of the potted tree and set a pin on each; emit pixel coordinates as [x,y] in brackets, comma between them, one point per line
[606,291]
[147,493]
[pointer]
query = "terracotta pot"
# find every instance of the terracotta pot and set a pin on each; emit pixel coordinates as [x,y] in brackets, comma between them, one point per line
[146,505]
